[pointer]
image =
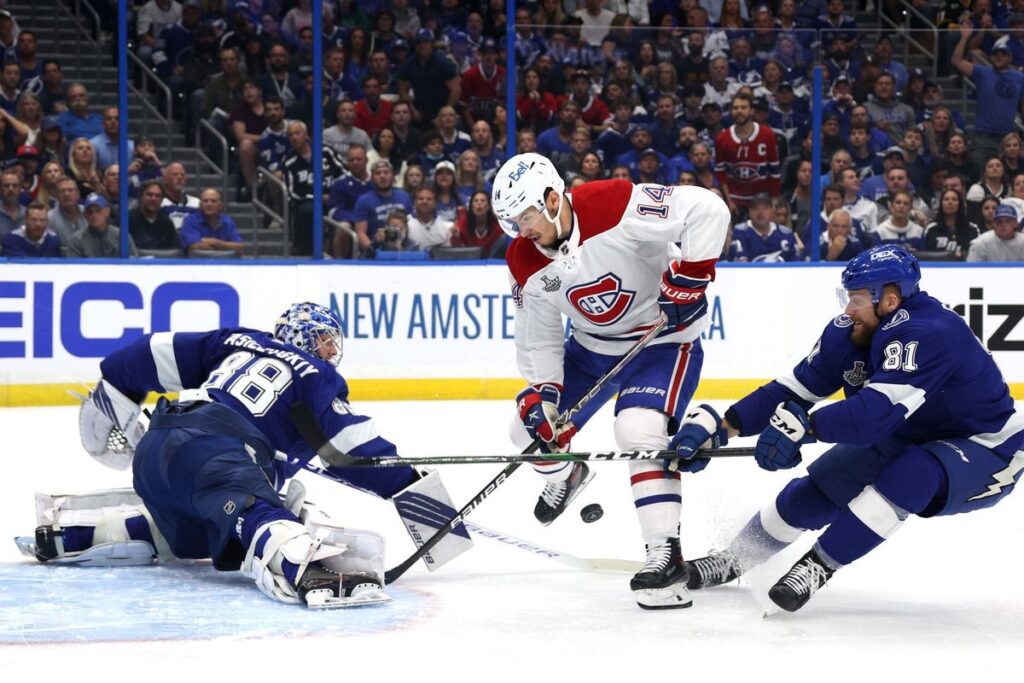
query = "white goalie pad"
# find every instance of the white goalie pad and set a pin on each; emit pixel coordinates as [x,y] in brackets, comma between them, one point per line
[425,507]
[109,426]
[288,541]
[106,512]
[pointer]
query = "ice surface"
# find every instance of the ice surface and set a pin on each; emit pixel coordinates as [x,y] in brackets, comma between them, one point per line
[940,600]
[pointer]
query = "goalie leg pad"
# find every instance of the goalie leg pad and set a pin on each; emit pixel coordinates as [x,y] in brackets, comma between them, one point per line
[108,423]
[363,554]
[425,507]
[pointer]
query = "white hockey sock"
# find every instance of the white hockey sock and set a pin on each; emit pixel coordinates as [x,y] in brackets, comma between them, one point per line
[553,472]
[656,492]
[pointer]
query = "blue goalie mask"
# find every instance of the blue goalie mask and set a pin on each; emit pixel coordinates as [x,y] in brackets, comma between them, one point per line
[312,328]
[885,264]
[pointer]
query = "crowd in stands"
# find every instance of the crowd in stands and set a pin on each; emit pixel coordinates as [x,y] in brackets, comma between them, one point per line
[715,93]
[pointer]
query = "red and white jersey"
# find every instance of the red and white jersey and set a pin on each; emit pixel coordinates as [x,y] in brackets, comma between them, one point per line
[606,276]
[749,165]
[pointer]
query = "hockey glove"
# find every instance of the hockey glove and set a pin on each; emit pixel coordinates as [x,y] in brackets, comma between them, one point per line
[108,423]
[682,296]
[538,410]
[778,447]
[702,428]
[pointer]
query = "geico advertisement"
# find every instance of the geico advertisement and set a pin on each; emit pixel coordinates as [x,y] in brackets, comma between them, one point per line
[57,321]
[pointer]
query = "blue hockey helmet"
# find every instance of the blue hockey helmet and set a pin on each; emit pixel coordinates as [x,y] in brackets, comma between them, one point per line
[312,328]
[885,264]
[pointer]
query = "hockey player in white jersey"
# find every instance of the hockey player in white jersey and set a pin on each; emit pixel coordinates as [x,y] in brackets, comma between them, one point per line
[612,257]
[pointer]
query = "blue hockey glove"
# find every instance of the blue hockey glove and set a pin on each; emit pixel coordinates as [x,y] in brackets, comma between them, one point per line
[538,410]
[778,447]
[682,297]
[701,428]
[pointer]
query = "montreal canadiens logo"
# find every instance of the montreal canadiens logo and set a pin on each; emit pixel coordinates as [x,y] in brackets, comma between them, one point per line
[602,302]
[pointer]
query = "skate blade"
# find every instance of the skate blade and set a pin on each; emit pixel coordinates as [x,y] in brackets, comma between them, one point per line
[575,494]
[325,599]
[27,545]
[675,596]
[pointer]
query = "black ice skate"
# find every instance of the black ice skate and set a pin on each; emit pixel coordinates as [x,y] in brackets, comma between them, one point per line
[322,588]
[793,590]
[556,496]
[661,582]
[49,543]
[717,568]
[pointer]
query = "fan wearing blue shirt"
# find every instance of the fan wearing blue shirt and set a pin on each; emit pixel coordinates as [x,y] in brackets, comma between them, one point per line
[32,240]
[209,228]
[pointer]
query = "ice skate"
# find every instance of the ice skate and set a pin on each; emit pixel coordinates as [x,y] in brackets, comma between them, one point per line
[661,582]
[716,568]
[793,590]
[321,588]
[556,496]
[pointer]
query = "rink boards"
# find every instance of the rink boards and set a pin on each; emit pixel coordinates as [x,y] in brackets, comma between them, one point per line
[428,331]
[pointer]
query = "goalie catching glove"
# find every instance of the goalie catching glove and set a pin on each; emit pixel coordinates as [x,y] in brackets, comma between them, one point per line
[683,297]
[108,423]
[538,410]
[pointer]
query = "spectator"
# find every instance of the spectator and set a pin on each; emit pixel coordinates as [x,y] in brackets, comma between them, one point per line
[614,141]
[876,187]
[224,91]
[960,160]
[110,189]
[719,89]
[373,113]
[272,145]
[280,80]
[491,158]
[931,191]
[32,240]
[887,112]
[991,184]
[897,180]
[392,236]
[26,122]
[67,217]
[437,82]
[898,228]
[28,158]
[862,155]
[51,173]
[338,85]
[951,231]
[932,100]
[50,89]
[357,53]
[177,203]
[761,239]
[478,227]
[1010,154]
[373,208]
[199,65]
[98,239]
[297,170]
[838,243]
[914,161]
[8,35]
[710,123]
[482,86]
[344,133]
[28,57]
[937,132]
[781,213]
[150,227]
[413,178]
[150,19]
[556,142]
[1003,243]
[78,121]
[345,191]
[746,156]
[425,228]
[526,141]
[700,157]
[408,140]
[665,129]
[447,193]
[454,141]
[176,39]
[468,175]
[10,79]
[593,111]
[840,161]
[1016,198]
[82,167]
[12,213]
[999,86]
[860,208]
[596,21]
[591,168]
[210,228]
[105,145]
[529,45]
[882,52]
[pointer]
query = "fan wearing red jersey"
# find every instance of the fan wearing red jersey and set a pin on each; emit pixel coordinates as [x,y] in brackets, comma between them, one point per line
[612,257]
[747,155]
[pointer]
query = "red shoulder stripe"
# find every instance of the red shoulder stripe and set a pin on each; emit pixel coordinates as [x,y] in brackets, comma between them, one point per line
[524,259]
[600,205]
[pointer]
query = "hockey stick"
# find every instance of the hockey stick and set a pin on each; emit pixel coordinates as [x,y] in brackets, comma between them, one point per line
[597,456]
[395,572]
[590,563]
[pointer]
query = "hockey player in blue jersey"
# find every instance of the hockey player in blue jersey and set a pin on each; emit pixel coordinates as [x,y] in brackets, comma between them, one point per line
[209,471]
[927,427]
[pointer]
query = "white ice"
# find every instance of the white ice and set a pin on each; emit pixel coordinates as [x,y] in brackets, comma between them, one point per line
[941,600]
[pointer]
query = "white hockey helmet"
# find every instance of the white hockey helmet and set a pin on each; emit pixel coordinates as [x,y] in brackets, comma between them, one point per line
[521,183]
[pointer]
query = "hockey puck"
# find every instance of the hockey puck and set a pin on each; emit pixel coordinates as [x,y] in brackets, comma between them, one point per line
[591,513]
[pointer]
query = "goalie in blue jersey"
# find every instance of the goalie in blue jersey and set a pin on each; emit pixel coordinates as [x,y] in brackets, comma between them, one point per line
[209,471]
[927,427]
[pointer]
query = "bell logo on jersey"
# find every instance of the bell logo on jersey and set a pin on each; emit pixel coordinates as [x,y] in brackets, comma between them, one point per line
[602,302]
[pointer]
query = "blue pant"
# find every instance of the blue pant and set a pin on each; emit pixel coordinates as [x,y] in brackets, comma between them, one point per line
[662,377]
[196,476]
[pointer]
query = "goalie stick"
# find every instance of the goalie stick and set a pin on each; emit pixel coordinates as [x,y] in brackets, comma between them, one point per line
[307,426]
[335,458]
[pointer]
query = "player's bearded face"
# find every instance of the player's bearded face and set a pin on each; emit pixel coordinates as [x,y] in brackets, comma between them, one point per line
[857,304]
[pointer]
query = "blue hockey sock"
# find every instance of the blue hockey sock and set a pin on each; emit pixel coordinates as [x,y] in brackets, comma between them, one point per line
[255,516]
[906,486]
[138,529]
[754,544]
[802,504]
[77,538]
